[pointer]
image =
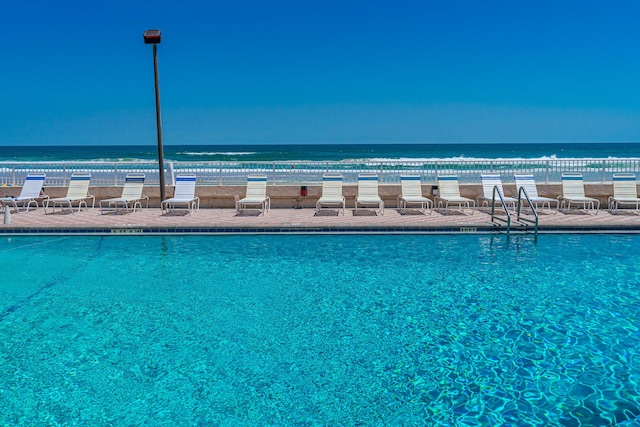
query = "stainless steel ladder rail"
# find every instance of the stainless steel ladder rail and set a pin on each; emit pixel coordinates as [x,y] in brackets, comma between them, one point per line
[504,206]
[522,191]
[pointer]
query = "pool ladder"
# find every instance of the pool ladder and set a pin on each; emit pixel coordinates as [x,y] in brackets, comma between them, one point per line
[521,192]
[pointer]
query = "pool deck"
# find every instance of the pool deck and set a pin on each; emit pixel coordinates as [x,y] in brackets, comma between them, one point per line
[303,221]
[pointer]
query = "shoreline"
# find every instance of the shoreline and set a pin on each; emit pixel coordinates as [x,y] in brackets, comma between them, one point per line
[331,152]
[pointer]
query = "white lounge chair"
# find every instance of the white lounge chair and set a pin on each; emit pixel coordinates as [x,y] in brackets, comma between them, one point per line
[573,193]
[184,194]
[30,194]
[256,195]
[412,193]
[625,192]
[131,197]
[449,193]
[528,182]
[77,192]
[331,192]
[368,192]
[489,182]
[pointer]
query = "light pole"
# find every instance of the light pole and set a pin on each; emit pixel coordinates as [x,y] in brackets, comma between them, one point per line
[153,37]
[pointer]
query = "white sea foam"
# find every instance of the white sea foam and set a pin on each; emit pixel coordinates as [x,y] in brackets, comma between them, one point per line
[116,160]
[217,153]
[552,157]
[108,171]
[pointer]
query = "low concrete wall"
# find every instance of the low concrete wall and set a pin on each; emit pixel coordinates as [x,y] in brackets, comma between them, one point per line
[288,196]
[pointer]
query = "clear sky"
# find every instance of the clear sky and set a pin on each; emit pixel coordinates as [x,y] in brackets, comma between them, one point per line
[320,71]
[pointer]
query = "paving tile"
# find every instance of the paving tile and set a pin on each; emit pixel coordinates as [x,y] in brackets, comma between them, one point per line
[304,220]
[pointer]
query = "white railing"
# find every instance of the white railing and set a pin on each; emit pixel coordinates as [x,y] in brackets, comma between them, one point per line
[306,172]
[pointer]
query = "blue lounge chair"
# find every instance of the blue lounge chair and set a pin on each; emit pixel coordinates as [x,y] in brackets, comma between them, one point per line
[625,192]
[30,194]
[256,195]
[331,192]
[78,192]
[411,187]
[489,183]
[183,194]
[528,182]
[449,193]
[368,192]
[131,197]
[573,194]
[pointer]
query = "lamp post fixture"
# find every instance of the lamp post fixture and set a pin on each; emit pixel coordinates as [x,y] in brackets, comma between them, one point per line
[153,37]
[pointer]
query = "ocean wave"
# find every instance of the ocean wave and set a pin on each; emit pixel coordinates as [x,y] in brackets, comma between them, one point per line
[105,160]
[216,153]
[119,160]
[551,157]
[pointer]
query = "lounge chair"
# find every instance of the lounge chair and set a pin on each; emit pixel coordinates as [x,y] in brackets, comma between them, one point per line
[489,182]
[625,192]
[256,195]
[412,193]
[331,192]
[184,193]
[368,192]
[30,194]
[449,193]
[131,197]
[77,192]
[528,182]
[573,193]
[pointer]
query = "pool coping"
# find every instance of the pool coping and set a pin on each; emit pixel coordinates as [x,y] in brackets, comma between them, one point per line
[304,221]
[181,230]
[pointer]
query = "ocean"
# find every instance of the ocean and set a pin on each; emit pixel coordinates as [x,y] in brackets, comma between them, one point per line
[325,152]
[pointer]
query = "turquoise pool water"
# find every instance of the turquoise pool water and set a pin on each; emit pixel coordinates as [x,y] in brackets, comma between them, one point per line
[320,330]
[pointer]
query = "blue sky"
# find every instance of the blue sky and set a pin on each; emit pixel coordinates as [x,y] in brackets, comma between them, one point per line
[287,72]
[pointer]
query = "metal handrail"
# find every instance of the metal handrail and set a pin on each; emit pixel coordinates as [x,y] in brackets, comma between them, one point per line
[504,206]
[522,191]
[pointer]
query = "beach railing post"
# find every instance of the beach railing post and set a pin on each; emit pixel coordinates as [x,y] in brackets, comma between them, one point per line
[546,177]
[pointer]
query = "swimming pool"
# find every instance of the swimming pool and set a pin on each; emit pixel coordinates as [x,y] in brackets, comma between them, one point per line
[320,330]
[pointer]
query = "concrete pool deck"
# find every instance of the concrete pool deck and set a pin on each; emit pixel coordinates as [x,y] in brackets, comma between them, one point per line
[276,221]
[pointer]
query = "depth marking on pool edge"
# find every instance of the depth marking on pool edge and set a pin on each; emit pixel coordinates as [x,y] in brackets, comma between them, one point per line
[468,229]
[126,230]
